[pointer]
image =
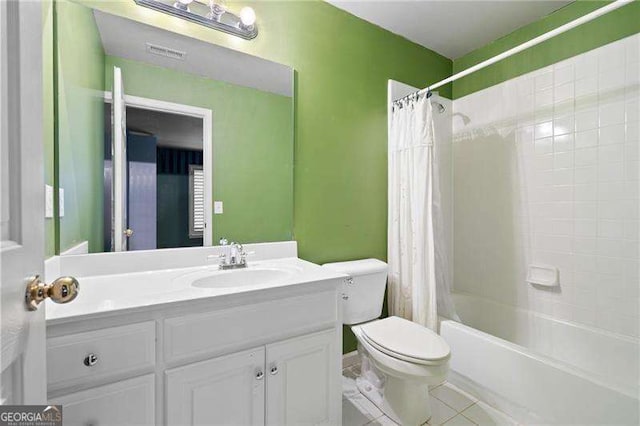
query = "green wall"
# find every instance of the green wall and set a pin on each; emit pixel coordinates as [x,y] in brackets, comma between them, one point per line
[80,125]
[342,66]
[252,147]
[606,29]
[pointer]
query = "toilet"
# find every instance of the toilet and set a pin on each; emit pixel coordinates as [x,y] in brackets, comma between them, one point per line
[399,358]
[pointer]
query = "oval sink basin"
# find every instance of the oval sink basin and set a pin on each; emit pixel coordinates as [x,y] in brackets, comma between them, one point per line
[240,278]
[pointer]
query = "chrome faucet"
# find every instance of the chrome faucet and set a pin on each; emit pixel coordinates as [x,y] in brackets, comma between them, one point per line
[235,258]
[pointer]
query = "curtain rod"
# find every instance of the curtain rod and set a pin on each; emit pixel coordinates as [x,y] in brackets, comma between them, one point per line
[537,40]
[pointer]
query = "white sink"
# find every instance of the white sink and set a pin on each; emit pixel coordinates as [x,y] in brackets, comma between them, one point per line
[240,278]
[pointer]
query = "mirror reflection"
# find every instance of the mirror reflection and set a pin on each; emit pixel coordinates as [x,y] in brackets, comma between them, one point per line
[166,141]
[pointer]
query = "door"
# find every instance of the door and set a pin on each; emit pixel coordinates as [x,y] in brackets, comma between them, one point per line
[303,381]
[119,184]
[228,390]
[142,194]
[22,339]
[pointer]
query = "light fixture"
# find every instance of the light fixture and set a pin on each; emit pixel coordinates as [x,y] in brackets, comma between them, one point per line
[211,13]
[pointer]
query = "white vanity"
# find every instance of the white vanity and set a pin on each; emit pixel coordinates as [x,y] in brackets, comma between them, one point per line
[157,338]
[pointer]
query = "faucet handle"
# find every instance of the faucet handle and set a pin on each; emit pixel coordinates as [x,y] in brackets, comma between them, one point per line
[224,242]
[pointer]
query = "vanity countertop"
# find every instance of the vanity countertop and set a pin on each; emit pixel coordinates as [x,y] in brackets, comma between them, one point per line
[102,295]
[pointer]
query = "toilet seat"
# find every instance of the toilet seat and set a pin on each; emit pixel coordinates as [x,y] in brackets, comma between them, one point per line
[406,340]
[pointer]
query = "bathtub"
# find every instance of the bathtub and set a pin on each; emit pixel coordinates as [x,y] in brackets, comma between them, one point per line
[539,369]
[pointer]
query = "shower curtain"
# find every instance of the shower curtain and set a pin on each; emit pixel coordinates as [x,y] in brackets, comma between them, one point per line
[416,253]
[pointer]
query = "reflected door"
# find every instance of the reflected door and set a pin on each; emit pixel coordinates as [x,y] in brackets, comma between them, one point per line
[142,191]
[120,231]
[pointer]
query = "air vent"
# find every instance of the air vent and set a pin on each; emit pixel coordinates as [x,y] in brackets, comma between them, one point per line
[166,52]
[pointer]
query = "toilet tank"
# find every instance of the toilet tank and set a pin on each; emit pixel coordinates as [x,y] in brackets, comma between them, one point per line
[363,291]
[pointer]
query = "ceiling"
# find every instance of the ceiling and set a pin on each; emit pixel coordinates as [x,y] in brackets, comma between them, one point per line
[130,39]
[171,130]
[451,28]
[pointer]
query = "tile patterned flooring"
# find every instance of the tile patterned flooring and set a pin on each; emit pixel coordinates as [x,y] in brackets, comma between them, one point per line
[449,406]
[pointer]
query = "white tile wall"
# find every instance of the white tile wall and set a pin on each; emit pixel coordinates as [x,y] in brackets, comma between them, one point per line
[546,170]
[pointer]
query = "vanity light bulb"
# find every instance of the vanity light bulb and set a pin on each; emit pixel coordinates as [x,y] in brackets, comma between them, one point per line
[185,2]
[247,16]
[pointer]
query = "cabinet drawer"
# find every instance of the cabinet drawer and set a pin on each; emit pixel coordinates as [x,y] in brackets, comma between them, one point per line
[115,351]
[129,402]
[230,329]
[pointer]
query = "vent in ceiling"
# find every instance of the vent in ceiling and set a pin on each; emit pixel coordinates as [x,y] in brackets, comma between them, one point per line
[166,52]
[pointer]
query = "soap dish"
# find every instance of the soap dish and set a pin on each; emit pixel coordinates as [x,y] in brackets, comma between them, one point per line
[544,275]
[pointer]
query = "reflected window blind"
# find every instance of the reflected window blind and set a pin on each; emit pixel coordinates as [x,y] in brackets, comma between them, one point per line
[196,201]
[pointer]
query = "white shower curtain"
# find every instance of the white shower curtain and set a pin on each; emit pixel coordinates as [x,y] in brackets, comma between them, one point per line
[416,253]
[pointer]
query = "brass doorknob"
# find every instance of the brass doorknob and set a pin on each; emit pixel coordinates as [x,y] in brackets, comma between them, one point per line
[62,290]
[128,233]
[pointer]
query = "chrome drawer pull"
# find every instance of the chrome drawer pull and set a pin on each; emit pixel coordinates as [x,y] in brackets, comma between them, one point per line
[274,370]
[91,360]
[259,375]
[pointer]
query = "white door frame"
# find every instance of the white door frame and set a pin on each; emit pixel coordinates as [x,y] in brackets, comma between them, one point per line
[207,146]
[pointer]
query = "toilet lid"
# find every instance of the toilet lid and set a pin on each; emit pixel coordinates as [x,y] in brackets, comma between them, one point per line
[407,339]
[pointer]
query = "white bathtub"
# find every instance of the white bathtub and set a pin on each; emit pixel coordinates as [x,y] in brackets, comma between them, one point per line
[542,370]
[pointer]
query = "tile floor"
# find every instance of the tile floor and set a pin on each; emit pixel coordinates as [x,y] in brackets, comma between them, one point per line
[449,406]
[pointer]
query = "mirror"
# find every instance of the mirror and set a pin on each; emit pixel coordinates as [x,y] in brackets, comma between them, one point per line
[166,141]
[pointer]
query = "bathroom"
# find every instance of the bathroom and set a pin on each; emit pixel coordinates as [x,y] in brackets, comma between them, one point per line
[388,212]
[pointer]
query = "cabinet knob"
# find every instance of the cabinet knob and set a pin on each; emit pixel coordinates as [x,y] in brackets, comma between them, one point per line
[259,375]
[91,360]
[274,370]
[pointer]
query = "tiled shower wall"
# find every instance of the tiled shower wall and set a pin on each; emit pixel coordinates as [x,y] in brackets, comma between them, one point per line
[546,172]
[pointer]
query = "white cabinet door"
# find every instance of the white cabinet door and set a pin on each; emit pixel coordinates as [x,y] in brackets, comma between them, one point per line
[303,381]
[129,402]
[228,390]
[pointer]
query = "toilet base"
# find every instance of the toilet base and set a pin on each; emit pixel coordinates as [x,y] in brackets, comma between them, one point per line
[406,402]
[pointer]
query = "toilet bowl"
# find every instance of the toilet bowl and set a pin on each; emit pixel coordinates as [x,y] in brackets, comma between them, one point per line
[399,359]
